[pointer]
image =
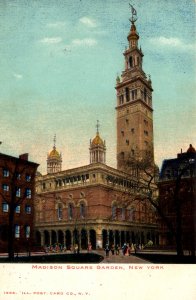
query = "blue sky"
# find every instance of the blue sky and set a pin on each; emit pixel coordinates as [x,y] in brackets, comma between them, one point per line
[59,61]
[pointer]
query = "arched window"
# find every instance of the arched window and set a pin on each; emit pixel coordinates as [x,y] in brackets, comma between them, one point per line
[60,212]
[122,155]
[127,94]
[114,211]
[123,213]
[70,211]
[131,214]
[82,210]
[131,61]
[145,94]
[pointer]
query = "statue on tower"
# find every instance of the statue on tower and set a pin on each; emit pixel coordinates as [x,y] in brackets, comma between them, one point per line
[133,18]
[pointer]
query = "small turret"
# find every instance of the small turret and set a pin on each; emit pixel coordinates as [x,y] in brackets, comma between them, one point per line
[97,148]
[54,160]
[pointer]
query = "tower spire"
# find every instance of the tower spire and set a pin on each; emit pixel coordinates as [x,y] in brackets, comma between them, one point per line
[97,126]
[133,36]
[54,140]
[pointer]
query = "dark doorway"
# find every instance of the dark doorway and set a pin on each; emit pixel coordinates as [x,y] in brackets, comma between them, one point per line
[68,239]
[46,238]
[93,238]
[84,240]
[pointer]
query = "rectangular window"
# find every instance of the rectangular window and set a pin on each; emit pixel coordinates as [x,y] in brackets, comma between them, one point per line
[131,213]
[123,213]
[132,95]
[28,193]
[5,173]
[60,212]
[5,187]
[28,209]
[5,207]
[28,177]
[18,176]
[17,231]
[18,192]
[27,231]
[17,209]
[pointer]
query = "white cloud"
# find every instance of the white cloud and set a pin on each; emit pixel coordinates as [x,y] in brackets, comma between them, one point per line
[172,42]
[88,22]
[53,40]
[84,42]
[17,76]
[56,25]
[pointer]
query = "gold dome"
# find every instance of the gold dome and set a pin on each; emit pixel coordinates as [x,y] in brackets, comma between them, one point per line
[54,154]
[97,140]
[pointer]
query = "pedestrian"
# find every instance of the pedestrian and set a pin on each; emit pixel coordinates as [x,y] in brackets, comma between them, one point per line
[124,248]
[128,250]
[107,250]
[76,248]
[112,249]
[117,249]
[89,247]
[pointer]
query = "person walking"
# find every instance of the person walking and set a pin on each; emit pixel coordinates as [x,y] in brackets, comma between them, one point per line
[107,250]
[117,249]
[124,248]
[112,249]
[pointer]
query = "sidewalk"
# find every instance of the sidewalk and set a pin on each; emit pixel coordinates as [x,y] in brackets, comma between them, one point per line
[121,259]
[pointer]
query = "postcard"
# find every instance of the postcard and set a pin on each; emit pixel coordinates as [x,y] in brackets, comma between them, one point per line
[97,105]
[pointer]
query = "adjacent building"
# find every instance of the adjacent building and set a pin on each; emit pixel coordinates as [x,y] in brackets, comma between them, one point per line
[178,200]
[17,190]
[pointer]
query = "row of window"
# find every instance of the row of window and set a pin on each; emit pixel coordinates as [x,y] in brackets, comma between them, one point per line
[28,193]
[134,61]
[133,131]
[129,215]
[17,230]
[71,211]
[123,213]
[67,181]
[6,173]
[5,208]
[133,95]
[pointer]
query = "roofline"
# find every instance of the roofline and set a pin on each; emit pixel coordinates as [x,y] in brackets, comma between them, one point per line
[18,159]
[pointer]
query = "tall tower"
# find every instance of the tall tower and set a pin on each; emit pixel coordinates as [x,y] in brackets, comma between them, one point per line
[54,160]
[97,148]
[134,102]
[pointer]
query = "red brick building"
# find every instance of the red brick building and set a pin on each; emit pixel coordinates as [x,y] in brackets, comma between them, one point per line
[95,202]
[178,200]
[17,190]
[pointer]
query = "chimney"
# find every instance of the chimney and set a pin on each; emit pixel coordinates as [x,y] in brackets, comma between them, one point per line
[24,156]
